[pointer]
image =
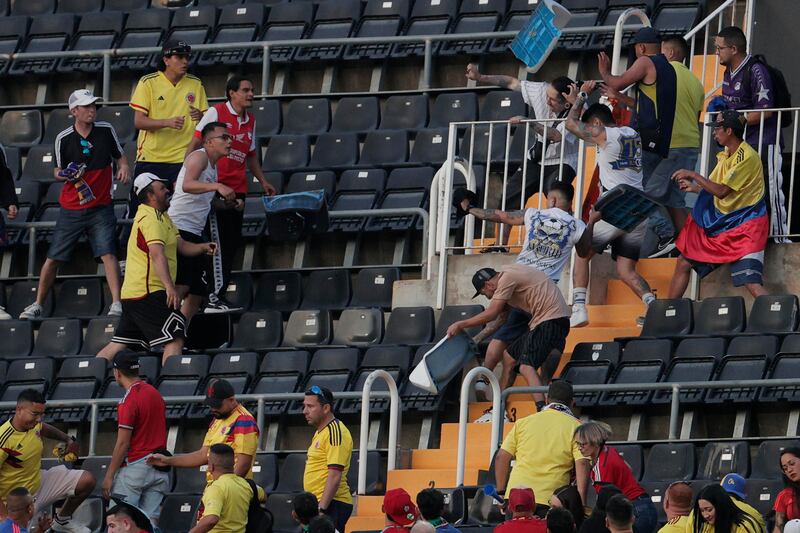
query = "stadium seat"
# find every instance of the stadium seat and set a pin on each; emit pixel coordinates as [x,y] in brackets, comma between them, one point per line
[127,6]
[22,129]
[453,313]
[615,9]
[597,351]
[13,31]
[676,17]
[585,14]
[428,17]
[254,220]
[761,493]
[287,152]
[239,369]
[634,456]
[190,480]
[279,291]
[384,148]
[280,372]
[430,147]
[273,178]
[647,350]
[380,19]
[290,477]
[358,114]
[372,179]
[193,25]
[502,105]
[362,200]
[764,345]
[694,360]
[33,8]
[333,20]
[308,328]
[482,513]
[237,24]
[269,118]
[307,116]
[96,31]
[17,338]
[143,28]
[405,112]
[516,18]
[178,512]
[393,359]
[374,287]
[14,163]
[474,16]
[90,512]
[326,289]
[239,291]
[737,368]
[280,505]
[721,458]
[98,334]
[335,150]
[668,318]
[766,463]
[481,152]
[47,34]
[182,375]
[772,314]
[222,4]
[265,471]
[58,120]
[376,474]
[640,371]
[791,344]
[454,107]
[405,188]
[719,316]
[79,7]
[412,326]
[78,378]
[258,330]
[79,298]
[670,462]
[121,117]
[97,465]
[31,373]
[58,338]
[359,327]
[312,181]
[587,373]
[785,366]
[286,21]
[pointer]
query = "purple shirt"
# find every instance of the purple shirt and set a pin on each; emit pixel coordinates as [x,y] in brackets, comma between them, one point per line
[759,95]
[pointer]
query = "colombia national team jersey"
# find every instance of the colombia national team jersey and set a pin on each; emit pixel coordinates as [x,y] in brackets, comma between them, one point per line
[331,448]
[21,457]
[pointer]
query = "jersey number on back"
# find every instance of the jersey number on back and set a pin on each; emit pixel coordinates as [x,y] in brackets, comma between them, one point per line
[630,154]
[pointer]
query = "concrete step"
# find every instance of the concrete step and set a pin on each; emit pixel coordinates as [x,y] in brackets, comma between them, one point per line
[614,315]
[478,435]
[369,506]
[619,293]
[590,334]
[477,457]
[416,480]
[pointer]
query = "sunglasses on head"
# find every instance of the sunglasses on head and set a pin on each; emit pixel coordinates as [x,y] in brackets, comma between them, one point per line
[315,390]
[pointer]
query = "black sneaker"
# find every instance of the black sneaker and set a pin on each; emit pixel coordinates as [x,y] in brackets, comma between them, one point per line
[218,305]
[664,249]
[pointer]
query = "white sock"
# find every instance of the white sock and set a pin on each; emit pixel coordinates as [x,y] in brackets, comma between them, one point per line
[648,298]
[579,297]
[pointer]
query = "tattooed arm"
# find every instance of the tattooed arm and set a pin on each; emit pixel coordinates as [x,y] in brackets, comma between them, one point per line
[512,218]
[507,82]
[553,135]
[574,124]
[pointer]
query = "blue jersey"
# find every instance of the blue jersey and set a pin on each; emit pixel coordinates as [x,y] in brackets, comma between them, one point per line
[758,94]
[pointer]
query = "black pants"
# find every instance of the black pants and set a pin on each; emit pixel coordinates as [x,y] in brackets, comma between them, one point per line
[229,225]
[339,513]
[532,178]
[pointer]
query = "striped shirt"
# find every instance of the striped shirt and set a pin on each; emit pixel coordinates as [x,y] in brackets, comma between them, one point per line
[330,449]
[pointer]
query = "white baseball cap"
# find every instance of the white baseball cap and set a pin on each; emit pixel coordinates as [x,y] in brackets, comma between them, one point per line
[143,180]
[792,526]
[82,97]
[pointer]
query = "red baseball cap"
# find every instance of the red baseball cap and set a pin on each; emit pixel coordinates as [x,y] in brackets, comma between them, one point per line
[521,499]
[398,506]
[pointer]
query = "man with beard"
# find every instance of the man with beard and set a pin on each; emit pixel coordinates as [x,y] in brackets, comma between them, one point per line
[328,459]
[232,425]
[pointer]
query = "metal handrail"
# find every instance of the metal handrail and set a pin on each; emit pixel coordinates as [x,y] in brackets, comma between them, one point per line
[616,63]
[464,412]
[706,21]
[394,425]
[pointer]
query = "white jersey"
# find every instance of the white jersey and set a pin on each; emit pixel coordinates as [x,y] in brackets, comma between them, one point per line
[190,211]
[534,93]
[620,159]
[550,235]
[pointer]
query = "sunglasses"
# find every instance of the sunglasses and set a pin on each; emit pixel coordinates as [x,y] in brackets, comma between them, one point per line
[224,137]
[315,390]
[87,147]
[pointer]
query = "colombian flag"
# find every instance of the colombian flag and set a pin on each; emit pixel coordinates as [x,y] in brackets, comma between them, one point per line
[711,236]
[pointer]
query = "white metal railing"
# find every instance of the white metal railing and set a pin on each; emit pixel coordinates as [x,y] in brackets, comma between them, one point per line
[497,417]
[394,425]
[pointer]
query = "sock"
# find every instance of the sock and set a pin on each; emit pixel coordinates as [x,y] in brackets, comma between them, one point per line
[579,297]
[648,298]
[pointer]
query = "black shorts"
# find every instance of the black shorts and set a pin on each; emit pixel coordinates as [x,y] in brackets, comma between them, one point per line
[195,272]
[533,347]
[148,322]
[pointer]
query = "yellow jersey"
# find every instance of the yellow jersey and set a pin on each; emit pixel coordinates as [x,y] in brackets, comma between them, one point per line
[741,171]
[746,527]
[229,499]
[149,226]
[676,525]
[239,431]
[688,105]
[158,98]
[20,459]
[330,449]
[544,450]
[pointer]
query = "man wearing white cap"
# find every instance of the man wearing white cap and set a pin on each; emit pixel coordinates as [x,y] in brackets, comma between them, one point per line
[84,153]
[151,315]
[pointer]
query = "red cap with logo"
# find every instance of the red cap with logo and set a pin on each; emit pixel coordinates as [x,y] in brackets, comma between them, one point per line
[398,506]
[521,499]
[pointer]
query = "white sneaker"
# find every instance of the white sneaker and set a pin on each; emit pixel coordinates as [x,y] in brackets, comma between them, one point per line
[4,315]
[68,526]
[31,312]
[480,389]
[218,305]
[486,417]
[115,309]
[579,318]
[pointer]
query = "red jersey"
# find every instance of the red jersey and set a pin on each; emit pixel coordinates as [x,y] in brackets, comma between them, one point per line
[612,468]
[231,169]
[142,410]
[532,524]
[785,504]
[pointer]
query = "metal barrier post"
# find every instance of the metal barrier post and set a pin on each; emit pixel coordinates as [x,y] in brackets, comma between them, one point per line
[265,68]
[444,219]
[674,411]
[462,419]
[394,424]
[615,57]
[31,250]
[106,76]
[260,420]
[427,66]
[93,429]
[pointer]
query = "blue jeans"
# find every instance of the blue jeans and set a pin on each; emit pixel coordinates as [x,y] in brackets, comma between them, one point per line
[658,184]
[98,223]
[646,515]
[143,486]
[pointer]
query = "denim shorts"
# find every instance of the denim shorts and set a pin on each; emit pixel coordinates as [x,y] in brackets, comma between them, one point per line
[98,224]
[658,182]
[143,486]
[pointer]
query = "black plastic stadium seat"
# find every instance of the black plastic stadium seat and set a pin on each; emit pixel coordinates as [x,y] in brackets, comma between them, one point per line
[634,456]
[670,462]
[724,314]
[39,164]
[647,350]
[143,28]
[405,188]
[31,373]
[190,480]
[480,152]
[127,6]
[773,314]
[96,31]
[265,470]
[13,31]
[428,17]
[58,120]
[316,180]
[182,375]
[280,372]
[668,318]
[791,344]
[287,152]
[676,17]
[121,117]
[98,334]
[335,150]
[58,338]
[380,19]
[258,331]
[761,493]
[597,351]
[615,9]
[279,291]
[286,21]
[239,291]
[237,24]
[33,8]
[13,160]
[23,293]
[351,201]
[358,114]
[79,6]
[585,14]
[17,338]
[765,461]
[359,327]
[502,105]
[290,477]
[371,179]
[405,112]
[453,313]
[376,474]
[149,369]
[694,360]
[22,129]
[785,366]
[643,371]
[77,379]
[308,328]
[474,16]
[98,466]
[47,34]
[430,147]
[373,287]
[269,118]
[454,107]
[587,373]
[333,20]
[733,369]
[307,116]
[384,148]
[237,368]
[326,289]
[254,220]
[721,458]
[412,326]
[79,298]
[392,359]
[178,512]
[763,345]
[193,25]
[280,503]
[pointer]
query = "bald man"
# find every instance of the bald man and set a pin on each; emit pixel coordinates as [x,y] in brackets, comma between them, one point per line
[677,505]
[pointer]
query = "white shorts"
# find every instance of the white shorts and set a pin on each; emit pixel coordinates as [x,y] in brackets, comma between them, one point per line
[58,483]
[623,243]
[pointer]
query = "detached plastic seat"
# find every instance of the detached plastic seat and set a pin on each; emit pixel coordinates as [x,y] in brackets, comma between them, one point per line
[326,289]
[394,360]
[333,20]
[721,458]
[670,462]
[474,16]
[721,315]
[286,21]
[773,314]
[182,375]
[358,114]
[280,372]
[96,31]
[13,31]
[381,19]
[58,338]
[22,294]
[287,152]
[22,129]
[279,291]
[47,34]
[454,107]
[405,188]
[79,298]
[258,331]
[308,328]
[307,116]
[384,148]
[428,17]
[237,24]
[77,379]
[58,120]
[99,332]
[405,112]
[454,313]
[17,338]
[269,118]
[335,150]
[143,28]
[359,327]
[733,369]
[374,286]
[412,326]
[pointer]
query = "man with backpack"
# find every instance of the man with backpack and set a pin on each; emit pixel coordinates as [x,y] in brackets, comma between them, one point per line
[750,83]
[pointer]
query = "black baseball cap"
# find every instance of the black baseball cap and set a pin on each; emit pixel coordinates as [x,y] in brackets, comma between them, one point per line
[647,35]
[176,47]
[480,278]
[139,517]
[323,394]
[217,391]
[730,118]
[127,361]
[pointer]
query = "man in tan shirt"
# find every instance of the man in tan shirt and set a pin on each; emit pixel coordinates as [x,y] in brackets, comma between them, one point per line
[529,290]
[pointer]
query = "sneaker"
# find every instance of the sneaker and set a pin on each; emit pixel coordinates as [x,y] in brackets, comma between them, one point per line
[4,315]
[218,305]
[486,417]
[664,248]
[31,312]
[115,309]
[579,318]
[68,525]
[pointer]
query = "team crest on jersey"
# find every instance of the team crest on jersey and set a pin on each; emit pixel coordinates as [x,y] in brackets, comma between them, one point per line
[738,85]
[190,98]
[316,445]
[548,236]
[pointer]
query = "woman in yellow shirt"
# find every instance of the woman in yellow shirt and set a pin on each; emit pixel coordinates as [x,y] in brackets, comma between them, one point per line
[715,512]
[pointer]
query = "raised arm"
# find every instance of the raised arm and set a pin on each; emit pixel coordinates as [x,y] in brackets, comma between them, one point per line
[642,69]
[506,82]
[512,218]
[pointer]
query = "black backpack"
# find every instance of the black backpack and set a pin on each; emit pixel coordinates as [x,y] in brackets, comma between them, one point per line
[259,519]
[783,98]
